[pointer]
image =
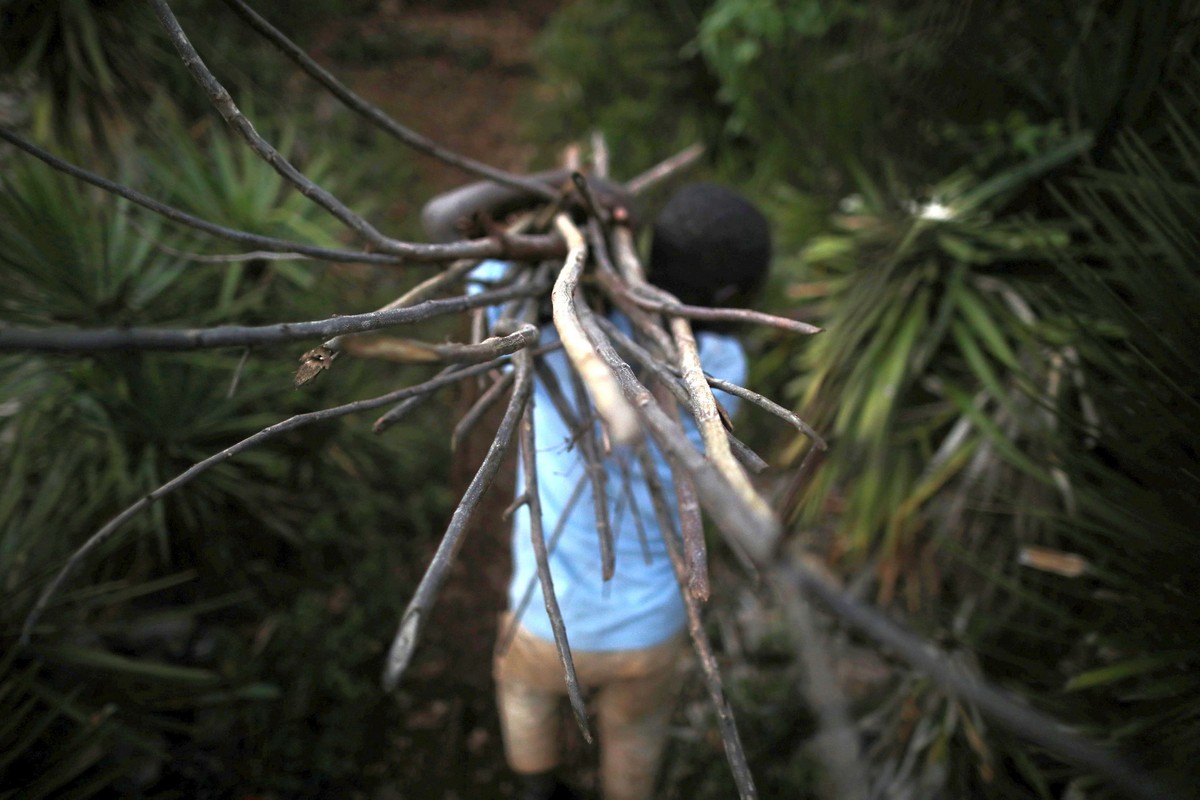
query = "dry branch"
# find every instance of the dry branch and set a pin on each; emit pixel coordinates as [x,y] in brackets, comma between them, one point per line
[748,530]
[413,620]
[665,169]
[665,374]
[616,287]
[602,386]
[223,102]
[412,351]
[17,339]
[691,526]
[624,404]
[585,438]
[480,407]
[998,705]
[708,420]
[770,406]
[726,724]
[654,299]
[533,501]
[504,639]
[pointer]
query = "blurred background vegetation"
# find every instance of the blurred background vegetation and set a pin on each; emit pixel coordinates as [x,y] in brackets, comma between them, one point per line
[993,209]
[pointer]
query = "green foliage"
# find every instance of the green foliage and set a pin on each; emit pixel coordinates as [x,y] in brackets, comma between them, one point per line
[85,52]
[829,92]
[1001,370]
[1134,458]
[97,63]
[772,61]
[130,670]
[931,345]
[620,68]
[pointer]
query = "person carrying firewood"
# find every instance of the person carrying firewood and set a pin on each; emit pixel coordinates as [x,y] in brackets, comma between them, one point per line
[627,632]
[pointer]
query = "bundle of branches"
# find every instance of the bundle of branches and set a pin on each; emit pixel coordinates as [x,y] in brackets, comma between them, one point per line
[572,246]
[574,249]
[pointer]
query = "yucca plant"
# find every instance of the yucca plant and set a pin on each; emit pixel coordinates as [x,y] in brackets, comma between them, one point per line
[1013,439]
[85,717]
[95,64]
[1132,462]
[86,56]
[140,661]
[932,342]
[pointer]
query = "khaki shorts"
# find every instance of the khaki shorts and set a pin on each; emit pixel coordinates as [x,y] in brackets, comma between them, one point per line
[632,692]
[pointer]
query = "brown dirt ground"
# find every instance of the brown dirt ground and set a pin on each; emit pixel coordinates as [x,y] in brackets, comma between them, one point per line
[456,77]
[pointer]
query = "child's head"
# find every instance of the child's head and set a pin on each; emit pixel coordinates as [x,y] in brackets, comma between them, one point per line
[710,247]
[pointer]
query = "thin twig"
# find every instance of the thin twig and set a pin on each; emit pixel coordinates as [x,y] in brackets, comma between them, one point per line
[768,405]
[223,102]
[708,420]
[375,115]
[422,291]
[615,286]
[664,374]
[504,640]
[665,169]
[401,410]
[191,473]
[634,510]
[480,407]
[322,357]
[691,526]
[413,351]
[405,407]
[533,501]
[585,435]
[219,258]
[507,247]
[726,724]
[789,497]
[16,339]
[413,620]
[176,215]
[592,451]
[649,297]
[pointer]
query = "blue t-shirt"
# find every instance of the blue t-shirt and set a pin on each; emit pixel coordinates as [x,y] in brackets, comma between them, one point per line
[640,606]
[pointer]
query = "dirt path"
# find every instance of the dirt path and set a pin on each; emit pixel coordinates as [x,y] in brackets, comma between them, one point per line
[453,75]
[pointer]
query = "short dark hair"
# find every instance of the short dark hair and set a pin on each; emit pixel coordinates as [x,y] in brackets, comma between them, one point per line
[711,246]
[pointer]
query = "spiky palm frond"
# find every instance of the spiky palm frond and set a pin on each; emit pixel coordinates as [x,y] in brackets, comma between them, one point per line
[1133,460]
[132,665]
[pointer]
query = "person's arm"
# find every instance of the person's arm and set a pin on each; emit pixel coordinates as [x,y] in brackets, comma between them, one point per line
[444,215]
